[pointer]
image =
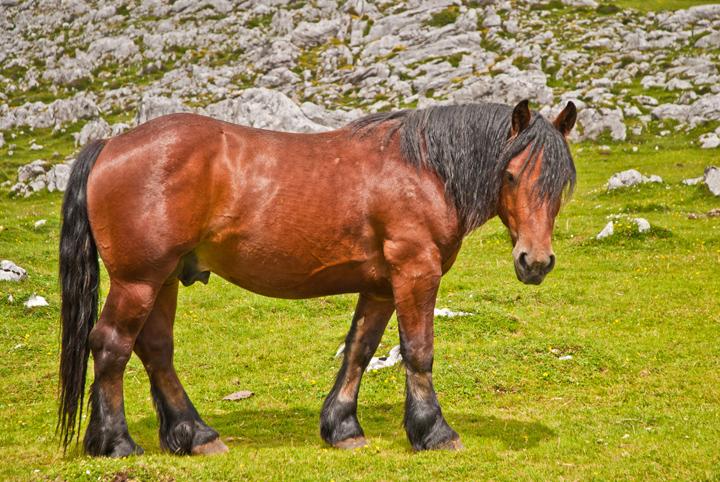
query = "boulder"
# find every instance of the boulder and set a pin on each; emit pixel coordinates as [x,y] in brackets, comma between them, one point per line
[36,301]
[596,121]
[95,129]
[116,48]
[711,41]
[151,107]
[58,177]
[712,179]
[309,34]
[581,3]
[393,358]
[628,178]
[709,141]
[607,231]
[9,271]
[507,88]
[265,109]
[30,171]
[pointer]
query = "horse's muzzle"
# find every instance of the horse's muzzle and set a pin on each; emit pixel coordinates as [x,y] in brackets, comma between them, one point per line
[533,273]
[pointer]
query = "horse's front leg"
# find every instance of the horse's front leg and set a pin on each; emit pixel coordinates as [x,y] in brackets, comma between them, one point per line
[339,425]
[415,287]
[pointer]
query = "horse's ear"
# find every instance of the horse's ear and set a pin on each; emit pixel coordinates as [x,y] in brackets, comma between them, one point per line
[566,119]
[520,117]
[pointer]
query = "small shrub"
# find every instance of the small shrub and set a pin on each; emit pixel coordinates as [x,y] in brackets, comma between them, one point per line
[443,17]
[607,9]
[455,58]
[260,20]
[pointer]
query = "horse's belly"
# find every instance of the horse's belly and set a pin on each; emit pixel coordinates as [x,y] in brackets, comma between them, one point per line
[294,275]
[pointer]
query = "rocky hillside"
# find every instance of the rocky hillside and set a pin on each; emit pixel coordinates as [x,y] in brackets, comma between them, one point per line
[73,70]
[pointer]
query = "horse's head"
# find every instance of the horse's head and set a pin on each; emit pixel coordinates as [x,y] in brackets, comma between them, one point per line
[538,171]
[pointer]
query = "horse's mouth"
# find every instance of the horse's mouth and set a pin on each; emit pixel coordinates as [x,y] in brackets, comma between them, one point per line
[529,277]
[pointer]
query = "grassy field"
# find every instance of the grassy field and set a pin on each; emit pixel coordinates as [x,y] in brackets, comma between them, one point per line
[639,399]
[640,317]
[657,5]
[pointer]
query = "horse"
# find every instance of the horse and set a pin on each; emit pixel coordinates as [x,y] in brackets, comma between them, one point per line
[379,207]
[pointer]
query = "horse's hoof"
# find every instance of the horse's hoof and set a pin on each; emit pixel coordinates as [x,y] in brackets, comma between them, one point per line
[451,445]
[126,449]
[351,443]
[211,448]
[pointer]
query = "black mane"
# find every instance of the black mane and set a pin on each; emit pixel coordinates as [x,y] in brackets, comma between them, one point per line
[468,147]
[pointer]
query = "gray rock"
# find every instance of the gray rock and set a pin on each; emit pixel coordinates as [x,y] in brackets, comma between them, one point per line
[151,107]
[70,70]
[189,6]
[265,109]
[32,170]
[705,108]
[711,41]
[646,100]
[57,177]
[393,358]
[95,129]
[118,128]
[681,18]
[642,224]
[36,301]
[507,88]
[308,34]
[630,177]
[581,3]
[607,231]
[491,19]
[117,48]
[712,179]
[241,395]
[282,23]
[55,114]
[9,271]
[278,77]
[709,141]
[596,121]
[678,84]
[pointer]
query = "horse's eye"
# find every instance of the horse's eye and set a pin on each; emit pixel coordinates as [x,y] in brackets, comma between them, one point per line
[509,177]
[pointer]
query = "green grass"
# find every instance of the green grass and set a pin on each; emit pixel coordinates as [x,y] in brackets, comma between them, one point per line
[638,400]
[657,5]
[443,17]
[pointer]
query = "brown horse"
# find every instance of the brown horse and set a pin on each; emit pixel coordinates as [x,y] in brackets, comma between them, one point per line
[379,207]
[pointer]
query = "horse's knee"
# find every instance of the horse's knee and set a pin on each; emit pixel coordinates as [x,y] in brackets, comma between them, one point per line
[109,347]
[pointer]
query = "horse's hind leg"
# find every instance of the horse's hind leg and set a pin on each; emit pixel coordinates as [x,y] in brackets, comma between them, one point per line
[339,425]
[182,431]
[111,341]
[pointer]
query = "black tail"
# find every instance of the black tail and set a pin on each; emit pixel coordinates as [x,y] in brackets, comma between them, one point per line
[79,279]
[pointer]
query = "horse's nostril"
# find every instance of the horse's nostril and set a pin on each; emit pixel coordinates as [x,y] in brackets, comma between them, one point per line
[523,260]
[551,263]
